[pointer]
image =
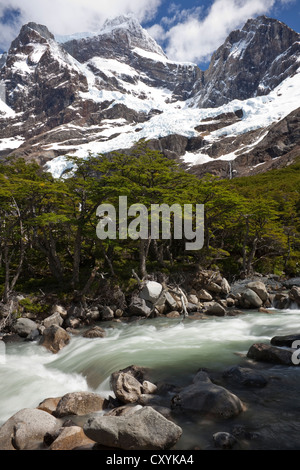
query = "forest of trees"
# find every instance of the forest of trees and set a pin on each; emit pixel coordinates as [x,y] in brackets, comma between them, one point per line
[48,227]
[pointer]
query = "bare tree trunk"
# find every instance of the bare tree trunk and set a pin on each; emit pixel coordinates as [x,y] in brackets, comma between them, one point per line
[108,260]
[144,249]
[245,246]
[48,247]
[90,281]
[7,260]
[77,257]
[9,286]
[251,256]
[158,252]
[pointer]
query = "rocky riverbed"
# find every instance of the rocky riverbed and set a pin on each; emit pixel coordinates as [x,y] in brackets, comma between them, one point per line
[206,294]
[141,415]
[214,402]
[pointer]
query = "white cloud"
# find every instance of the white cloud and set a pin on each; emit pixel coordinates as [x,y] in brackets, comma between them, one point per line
[157,32]
[71,16]
[197,38]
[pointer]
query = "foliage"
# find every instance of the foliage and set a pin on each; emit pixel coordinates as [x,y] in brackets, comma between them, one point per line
[48,227]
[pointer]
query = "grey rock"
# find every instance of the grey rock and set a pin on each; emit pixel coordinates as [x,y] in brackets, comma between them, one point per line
[173,314]
[70,438]
[294,294]
[193,299]
[93,314]
[251,299]
[171,301]
[260,289]
[149,387]
[272,354]
[281,301]
[214,308]
[26,428]
[204,295]
[24,326]
[295,281]
[139,307]
[125,410]
[54,319]
[33,335]
[126,388]
[225,286]
[224,440]
[286,340]
[151,291]
[146,429]
[59,309]
[205,397]
[55,338]
[245,376]
[214,287]
[95,332]
[106,313]
[79,403]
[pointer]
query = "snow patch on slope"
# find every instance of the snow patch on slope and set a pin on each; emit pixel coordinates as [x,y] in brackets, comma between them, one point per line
[180,118]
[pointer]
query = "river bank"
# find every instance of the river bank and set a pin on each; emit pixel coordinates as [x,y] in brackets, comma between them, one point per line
[173,349]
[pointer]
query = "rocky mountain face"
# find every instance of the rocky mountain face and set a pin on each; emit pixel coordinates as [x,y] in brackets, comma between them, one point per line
[124,40]
[252,61]
[108,91]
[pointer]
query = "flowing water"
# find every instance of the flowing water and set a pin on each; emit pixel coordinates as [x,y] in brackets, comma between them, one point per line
[174,349]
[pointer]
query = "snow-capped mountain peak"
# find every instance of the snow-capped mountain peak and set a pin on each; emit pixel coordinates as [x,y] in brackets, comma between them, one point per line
[128,21]
[137,36]
[108,91]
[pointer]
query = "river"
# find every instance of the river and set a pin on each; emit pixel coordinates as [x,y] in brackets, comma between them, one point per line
[174,349]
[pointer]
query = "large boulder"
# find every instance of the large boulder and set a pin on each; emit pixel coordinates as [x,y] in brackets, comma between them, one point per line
[294,294]
[60,310]
[281,301]
[214,287]
[250,299]
[79,403]
[205,397]
[146,429]
[204,295]
[139,307]
[151,291]
[214,308]
[149,387]
[285,341]
[126,388]
[172,302]
[94,332]
[70,438]
[24,326]
[260,289]
[54,319]
[26,429]
[49,405]
[106,313]
[245,376]
[225,286]
[267,353]
[55,338]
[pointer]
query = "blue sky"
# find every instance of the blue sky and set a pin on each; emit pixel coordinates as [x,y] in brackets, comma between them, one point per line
[189,30]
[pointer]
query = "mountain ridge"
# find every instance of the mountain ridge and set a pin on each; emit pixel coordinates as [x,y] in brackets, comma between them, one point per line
[107,92]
